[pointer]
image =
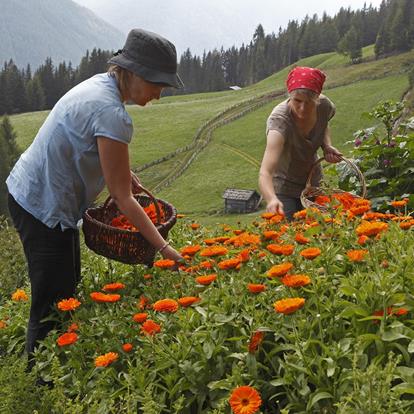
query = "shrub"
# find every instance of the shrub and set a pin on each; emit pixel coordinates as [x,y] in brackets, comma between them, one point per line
[385,159]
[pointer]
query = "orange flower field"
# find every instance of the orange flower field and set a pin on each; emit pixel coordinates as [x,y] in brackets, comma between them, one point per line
[308,316]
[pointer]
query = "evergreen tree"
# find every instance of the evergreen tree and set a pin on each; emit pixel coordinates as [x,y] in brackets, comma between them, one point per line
[400,27]
[35,95]
[47,80]
[4,172]
[350,45]
[9,136]
[258,52]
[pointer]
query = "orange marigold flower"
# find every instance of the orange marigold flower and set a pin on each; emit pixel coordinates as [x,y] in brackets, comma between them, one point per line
[213,251]
[190,250]
[310,253]
[127,347]
[68,304]
[358,211]
[194,226]
[143,302]
[188,301]
[362,240]
[147,276]
[150,327]
[277,218]
[106,359]
[399,203]
[245,400]
[261,254]
[405,225]
[165,305]
[207,264]
[140,317]
[244,255]
[289,305]
[285,249]
[256,287]
[67,338]
[255,340]
[206,280]
[104,298]
[271,234]
[73,327]
[367,228]
[279,269]
[296,280]
[3,324]
[243,239]
[400,311]
[164,263]
[113,287]
[19,296]
[300,214]
[356,255]
[267,215]
[229,264]
[322,200]
[301,239]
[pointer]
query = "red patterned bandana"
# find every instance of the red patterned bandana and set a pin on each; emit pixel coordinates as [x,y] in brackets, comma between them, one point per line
[307,78]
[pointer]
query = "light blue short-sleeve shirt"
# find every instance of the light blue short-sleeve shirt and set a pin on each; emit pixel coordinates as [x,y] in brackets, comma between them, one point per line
[59,176]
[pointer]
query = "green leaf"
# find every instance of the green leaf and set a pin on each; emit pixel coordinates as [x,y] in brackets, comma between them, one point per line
[278,382]
[404,388]
[392,336]
[322,395]
[411,347]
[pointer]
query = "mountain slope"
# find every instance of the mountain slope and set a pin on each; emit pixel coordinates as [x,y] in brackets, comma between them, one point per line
[32,30]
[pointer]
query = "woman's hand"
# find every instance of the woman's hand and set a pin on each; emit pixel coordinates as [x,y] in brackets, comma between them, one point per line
[275,206]
[172,254]
[135,184]
[331,154]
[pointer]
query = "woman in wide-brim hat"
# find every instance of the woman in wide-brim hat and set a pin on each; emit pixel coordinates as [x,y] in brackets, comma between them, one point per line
[81,147]
[296,129]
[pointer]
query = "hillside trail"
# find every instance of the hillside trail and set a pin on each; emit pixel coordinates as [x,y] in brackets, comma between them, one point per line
[203,137]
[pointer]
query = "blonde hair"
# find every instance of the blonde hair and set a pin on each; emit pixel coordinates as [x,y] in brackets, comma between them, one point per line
[122,75]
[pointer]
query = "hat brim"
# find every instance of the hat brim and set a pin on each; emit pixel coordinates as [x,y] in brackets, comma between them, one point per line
[151,75]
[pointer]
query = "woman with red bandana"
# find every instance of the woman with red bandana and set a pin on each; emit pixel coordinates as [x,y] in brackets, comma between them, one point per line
[296,129]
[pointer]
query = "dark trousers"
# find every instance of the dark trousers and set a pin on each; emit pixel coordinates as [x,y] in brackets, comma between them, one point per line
[53,258]
[290,205]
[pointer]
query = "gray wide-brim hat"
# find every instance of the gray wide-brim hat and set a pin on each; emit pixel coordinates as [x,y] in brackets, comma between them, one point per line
[150,56]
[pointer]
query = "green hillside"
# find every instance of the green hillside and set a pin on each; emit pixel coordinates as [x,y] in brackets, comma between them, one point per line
[232,157]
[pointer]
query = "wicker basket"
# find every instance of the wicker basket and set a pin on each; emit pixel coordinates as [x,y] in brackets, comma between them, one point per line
[123,245]
[309,193]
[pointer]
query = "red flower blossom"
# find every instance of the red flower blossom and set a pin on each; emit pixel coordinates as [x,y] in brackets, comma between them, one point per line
[206,280]
[140,317]
[106,359]
[68,304]
[165,305]
[113,287]
[104,298]
[67,338]
[256,287]
[150,327]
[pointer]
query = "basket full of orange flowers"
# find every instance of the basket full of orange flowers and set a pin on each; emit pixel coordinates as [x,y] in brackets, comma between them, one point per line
[316,197]
[110,234]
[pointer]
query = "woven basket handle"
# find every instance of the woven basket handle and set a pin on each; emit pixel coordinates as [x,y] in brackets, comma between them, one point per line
[351,164]
[142,189]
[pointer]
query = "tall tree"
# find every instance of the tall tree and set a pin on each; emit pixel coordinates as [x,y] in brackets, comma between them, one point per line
[9,136]
[350,45]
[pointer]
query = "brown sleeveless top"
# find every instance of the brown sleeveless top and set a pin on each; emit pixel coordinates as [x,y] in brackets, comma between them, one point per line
[299,153]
